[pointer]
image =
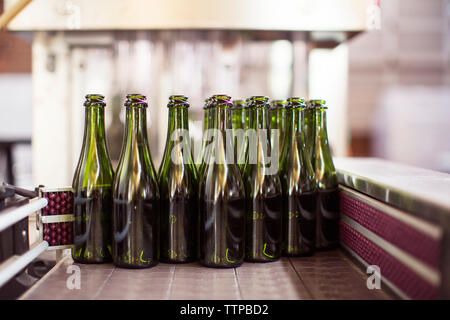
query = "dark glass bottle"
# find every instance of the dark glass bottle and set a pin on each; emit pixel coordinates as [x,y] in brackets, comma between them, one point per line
[92,187]
[263,191]
[178,185]
[277,116]
[136,194]
[327,184]
[222,196]
[299,194]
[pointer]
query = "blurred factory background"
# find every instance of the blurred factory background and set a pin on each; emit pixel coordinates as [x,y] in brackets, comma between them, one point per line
[388,89]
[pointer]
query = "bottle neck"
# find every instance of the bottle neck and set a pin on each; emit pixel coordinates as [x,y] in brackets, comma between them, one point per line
[223,151]
[324,167]
[247,118]
[236,115]
[260,119]
[178,127]
[207,119]
[293,122]
[222,119]
[136,126]
[321,123]
[94,129]
[177,150]
[178,119]
[263,148]
[296,163]
[292,140]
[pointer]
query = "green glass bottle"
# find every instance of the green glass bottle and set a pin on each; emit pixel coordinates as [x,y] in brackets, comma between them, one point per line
[178,184]
[221,196]
[92,187]
[237,125]
[263,190]
[207,124]
[135,194]
[327,184]
[309,128]
[277,116]
[299,187]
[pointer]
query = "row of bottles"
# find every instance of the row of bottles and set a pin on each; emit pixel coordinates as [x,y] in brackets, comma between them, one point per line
[258,193]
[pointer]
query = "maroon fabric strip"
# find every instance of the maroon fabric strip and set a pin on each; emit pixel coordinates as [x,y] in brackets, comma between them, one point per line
[392,269]
[400,234]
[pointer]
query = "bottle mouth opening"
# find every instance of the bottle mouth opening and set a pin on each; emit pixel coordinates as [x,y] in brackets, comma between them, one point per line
[295,102]
[317,104]
[221,97]
[178,100]
[239,104]
[136,100]
[279,104]
[94,99]
[221,100]
[259,102]
[178,97]
[259,98]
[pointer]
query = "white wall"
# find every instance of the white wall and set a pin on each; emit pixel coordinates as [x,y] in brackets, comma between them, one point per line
[16,122]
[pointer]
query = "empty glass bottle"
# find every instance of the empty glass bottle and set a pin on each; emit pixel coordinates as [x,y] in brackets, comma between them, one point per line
[263,190]
[327,184]
[297,178]
[92,187]
[221,196]
[178,185]
[136,194]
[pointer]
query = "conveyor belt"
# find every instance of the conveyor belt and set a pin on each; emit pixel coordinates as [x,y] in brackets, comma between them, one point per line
[326,275]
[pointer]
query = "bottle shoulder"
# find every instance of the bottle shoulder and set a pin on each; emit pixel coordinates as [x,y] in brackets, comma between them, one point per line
[297,177]
[178,180]
[135,175]
[126,187]
[93,175]
[220,180]
[261,182]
